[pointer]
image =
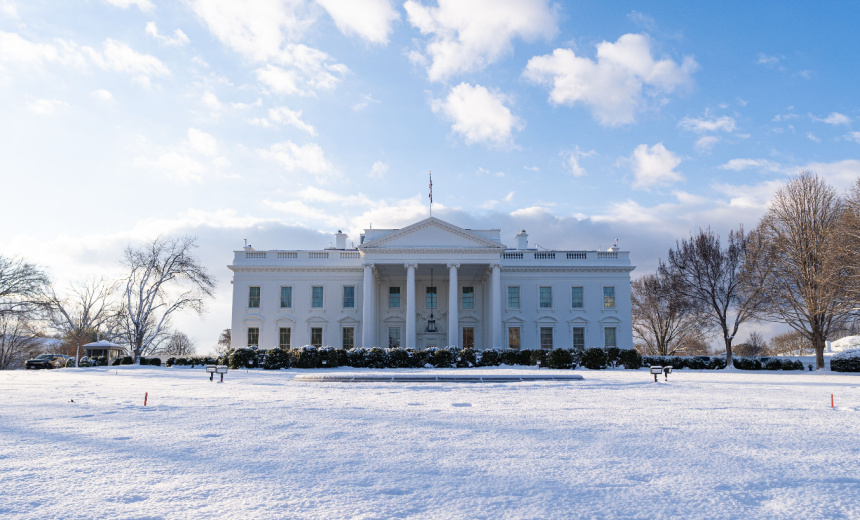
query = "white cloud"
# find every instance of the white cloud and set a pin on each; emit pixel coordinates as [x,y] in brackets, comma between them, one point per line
[202,142]
[177,165]
[369,19]
[143,5]
[366,100]
[177,40]
[46,106]
[103,95]
[812,137]
[706,144]
[724,124]
[573,161]
[265,32]
[285,116]
[747,164]
[853,136]
[784,117]
[835,119]
[613,86]
[654,165]
[7,7]
[15,49]
[119,57]
[478,114]
[210,100]
[308,158]
[378,170]
[764,59]
[468,36]
[484,172]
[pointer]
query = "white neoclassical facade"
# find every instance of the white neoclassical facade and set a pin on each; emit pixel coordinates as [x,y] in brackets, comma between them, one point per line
[432,284]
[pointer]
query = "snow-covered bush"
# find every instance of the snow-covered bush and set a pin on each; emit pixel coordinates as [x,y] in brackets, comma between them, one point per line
[305,357]
[442,358]
[489,358]
[560,358]
[846,361]
[630,358]
[242,357]
[612,356]
[127,360]
[516,357]
[466,358]
[398,358]
[594,358]
[329,355]
[357,357]
[376,358]
[276,359]
[746,363]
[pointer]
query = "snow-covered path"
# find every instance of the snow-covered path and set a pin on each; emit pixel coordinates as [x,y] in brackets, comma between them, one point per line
[616,445]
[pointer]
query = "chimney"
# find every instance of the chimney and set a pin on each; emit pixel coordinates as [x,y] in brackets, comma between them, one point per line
[340,240]
[522,240]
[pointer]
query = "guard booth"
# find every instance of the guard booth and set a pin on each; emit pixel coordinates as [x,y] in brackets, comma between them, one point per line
[105,348]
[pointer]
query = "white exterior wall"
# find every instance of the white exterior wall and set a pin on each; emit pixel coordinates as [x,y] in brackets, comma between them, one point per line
[432,243]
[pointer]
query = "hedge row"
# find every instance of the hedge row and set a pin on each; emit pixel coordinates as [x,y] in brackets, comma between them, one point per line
[325,357]
[848,361]
[718,363]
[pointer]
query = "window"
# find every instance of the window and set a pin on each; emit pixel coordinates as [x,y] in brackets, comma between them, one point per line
[394,297]
[578,338]
[609,337]
[430,303]
[286,297]
[546,297]
[253,336]
[254,297]
[546,337]
[609,297]
[468,337]
[349,297]
[576,297]
[393,337]
[468,297]
[513,337]
[513,297]
[317,297]
[316,337]
[284,337]
[348,337]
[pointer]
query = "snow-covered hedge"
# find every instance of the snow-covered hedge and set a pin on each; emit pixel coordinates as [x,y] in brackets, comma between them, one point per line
[847,361]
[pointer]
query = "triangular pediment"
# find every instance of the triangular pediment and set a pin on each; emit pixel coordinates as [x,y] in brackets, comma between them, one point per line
[431,233]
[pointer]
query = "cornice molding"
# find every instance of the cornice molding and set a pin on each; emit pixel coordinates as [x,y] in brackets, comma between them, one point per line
[278,268]
[373,245]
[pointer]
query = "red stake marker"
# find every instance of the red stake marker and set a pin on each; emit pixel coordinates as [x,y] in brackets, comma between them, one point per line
[831,401]
[145,396]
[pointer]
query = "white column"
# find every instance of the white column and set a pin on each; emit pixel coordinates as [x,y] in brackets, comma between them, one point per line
[409,340]
[453,316]
[496,306]
[367,307]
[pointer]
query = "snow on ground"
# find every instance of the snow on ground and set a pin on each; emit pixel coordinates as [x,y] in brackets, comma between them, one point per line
[260,446]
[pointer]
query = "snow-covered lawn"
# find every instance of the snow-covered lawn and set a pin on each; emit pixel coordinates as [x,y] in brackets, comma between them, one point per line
[616,445]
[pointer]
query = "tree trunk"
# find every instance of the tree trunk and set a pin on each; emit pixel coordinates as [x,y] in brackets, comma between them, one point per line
[818,344]
[729,360]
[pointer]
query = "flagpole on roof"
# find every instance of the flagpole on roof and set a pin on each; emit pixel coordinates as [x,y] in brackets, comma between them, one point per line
[431,192]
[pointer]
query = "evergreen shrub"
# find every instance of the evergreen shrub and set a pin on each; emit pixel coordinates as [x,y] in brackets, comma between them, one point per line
[443,358]
[466,358]
[630,358]
[594,358]
[560,358]
[127,360]
[305,357]
[538,355]
[357,357]
[398,358]
[746,363]
[612,356]
[241,358]
[276,359]
[489,358]
[376,358]
[329,355]
[847,361]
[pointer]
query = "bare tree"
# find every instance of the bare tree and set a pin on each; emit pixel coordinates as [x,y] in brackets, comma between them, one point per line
[663,319]
[21,286]
[164,278]
[85,309]
[178,344]
[224,342]
[18,340]
[850,231]
[714,280]
[807,263]
[790,344]
[754,346]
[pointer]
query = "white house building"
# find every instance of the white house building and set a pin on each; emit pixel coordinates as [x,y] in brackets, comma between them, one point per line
[432,284]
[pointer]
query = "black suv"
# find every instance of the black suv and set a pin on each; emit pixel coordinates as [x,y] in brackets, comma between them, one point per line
[46,361]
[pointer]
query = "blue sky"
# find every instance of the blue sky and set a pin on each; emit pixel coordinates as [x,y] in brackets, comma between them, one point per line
[283,121]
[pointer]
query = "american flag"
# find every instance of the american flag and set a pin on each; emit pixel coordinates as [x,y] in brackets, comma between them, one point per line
[431,187]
